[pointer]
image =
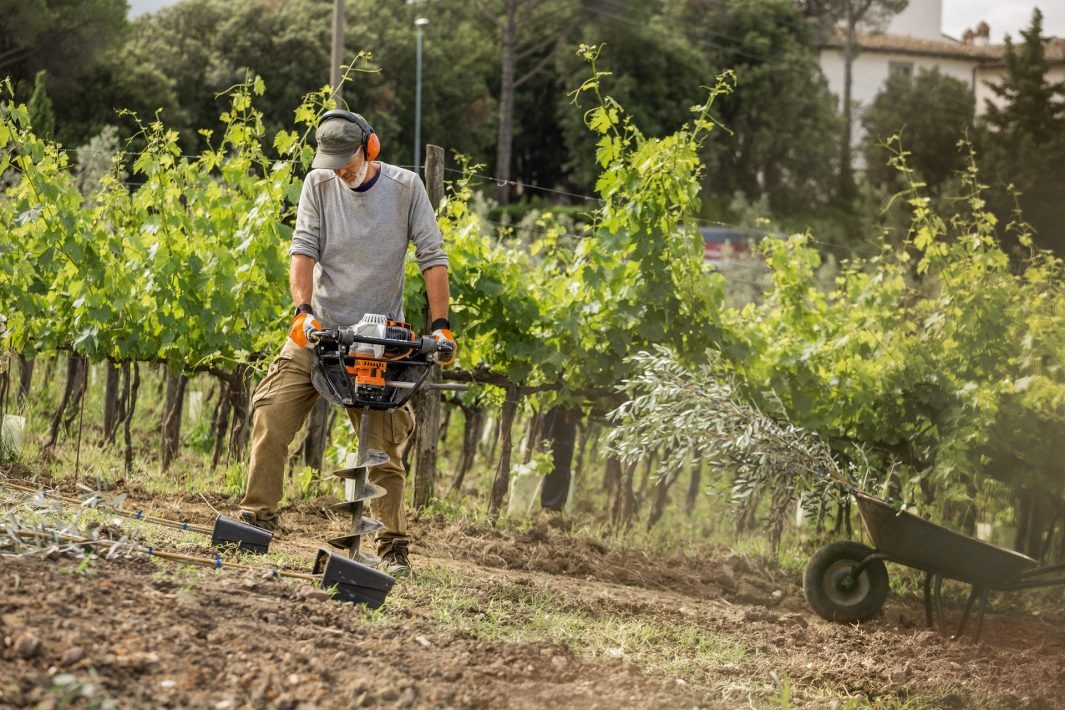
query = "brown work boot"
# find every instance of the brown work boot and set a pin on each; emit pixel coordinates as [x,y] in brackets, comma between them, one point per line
[266,521]
[394,559]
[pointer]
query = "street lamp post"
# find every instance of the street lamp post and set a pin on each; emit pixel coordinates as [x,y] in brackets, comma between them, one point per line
[336,56]
[419,24]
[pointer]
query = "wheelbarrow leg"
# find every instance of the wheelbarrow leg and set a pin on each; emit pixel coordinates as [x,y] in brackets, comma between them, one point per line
[938,595]
[973,593]
[928,599]
[980,615]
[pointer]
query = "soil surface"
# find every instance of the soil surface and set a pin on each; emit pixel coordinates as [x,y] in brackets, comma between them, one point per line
[734,631]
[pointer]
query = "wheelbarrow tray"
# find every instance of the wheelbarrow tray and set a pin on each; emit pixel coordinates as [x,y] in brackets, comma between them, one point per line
[907,539]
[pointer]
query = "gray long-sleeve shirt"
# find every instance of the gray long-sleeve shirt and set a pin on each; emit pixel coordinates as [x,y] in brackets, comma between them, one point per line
[359,240]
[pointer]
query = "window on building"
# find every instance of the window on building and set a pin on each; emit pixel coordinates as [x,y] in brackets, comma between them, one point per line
[903,68]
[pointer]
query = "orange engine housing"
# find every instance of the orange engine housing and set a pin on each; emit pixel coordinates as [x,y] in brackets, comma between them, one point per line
[370,371]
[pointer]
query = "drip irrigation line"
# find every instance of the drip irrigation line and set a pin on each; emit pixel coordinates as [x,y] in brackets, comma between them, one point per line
[130,153]
[138,515]
[151,551]
[850,250]
[514,183]
[204,498]
[841,248]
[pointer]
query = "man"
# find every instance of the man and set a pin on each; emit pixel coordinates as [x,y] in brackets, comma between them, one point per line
[355,220]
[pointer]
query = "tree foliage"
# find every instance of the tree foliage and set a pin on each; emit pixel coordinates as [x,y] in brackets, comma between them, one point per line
[181,58]
[641,50]
[66,38]
[61,36]
[932,112]
[200,48]
[782,117]
[1023,143]
[460,70]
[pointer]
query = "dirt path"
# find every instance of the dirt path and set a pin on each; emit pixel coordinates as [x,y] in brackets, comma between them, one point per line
[496,618]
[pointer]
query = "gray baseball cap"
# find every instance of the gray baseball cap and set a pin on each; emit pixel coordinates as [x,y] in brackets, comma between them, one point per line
[338,139]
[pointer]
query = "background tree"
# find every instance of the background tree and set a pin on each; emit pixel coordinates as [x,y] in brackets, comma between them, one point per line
[202,47]
[849,16]
[530,31]
[932,112]
[65,38]
[40,107]
[1023,140]
[459,75]
[655,72]
[118,79]
[782,118]
[194,49]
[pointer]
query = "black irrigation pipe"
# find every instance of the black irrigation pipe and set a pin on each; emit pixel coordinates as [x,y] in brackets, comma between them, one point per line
[216,562]
[138,515]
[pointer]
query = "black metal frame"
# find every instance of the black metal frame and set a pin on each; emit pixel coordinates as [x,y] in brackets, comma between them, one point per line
[933,591]
[332,360]
[941,553]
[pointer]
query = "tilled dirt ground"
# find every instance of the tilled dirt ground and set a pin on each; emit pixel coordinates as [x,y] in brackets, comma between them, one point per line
[480,627]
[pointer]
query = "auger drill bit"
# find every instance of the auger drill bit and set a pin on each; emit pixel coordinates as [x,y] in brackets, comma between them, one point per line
[358,491]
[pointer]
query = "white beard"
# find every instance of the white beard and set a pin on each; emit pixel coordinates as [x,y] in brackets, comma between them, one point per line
[360,178]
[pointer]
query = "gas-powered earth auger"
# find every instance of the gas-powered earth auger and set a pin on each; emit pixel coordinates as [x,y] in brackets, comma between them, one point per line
[376,364]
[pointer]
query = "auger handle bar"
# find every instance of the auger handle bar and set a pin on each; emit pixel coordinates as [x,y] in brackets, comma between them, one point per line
[426,344]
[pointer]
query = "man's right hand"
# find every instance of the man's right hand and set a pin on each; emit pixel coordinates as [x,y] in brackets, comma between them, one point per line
[302,327]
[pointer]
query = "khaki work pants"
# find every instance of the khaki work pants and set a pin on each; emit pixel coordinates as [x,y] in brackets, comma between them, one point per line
[282,402]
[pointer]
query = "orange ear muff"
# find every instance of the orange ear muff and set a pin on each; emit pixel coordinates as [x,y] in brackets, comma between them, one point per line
[370,142]
[373,146]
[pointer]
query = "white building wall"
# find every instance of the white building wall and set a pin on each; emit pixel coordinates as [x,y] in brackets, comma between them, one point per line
[871,70]
[985,76]
[921,18]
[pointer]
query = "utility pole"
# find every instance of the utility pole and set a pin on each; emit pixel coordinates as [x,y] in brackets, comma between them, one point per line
[337,55]
[419,23]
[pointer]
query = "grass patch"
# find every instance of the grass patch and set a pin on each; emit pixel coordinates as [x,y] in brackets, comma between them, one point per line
[522,614]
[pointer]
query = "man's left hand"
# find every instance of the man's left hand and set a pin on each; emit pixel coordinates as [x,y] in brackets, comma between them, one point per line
[445,346]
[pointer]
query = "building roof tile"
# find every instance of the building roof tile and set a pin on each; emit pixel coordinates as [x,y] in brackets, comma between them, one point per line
[902,44]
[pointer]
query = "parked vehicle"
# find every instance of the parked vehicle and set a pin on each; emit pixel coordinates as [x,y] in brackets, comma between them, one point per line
[723,244]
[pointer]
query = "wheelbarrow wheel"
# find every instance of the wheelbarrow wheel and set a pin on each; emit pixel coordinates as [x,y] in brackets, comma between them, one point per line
[834,593]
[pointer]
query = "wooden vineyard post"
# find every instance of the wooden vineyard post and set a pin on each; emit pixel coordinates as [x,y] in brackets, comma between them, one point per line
[111,394]
[25,378]
[314,443]
[502,478]
[427,402]
[176,382]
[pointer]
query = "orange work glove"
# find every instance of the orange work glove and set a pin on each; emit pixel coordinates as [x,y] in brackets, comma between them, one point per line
[445,342]
[302,326]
